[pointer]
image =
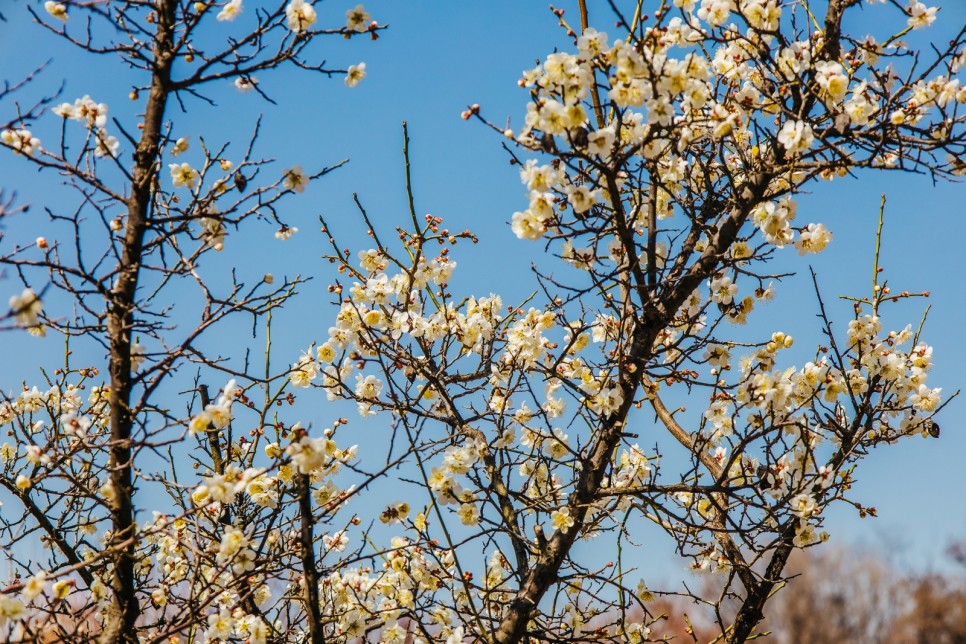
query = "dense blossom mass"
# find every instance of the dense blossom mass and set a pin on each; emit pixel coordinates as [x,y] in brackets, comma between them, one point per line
[661,169]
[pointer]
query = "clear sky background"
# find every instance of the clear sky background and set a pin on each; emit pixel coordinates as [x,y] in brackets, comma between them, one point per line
[434,60]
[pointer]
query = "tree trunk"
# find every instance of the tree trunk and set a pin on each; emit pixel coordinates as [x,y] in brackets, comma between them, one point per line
[121,627]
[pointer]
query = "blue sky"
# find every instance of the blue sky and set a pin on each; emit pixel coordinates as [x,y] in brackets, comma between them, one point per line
[434,60]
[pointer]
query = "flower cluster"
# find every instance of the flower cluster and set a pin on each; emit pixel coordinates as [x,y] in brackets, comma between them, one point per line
[20,141]
[26,309]
[300,15]
[94,117]
[216,415]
